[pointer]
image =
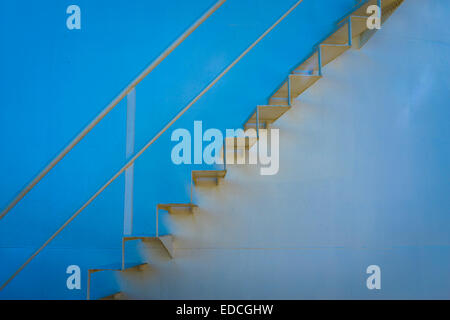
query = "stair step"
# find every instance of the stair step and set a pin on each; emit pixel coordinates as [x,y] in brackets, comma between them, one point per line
[299,83]
[173,208]
[339,37]
[240,143]
[208,174]
[386,5]
[331,52]
[165,241]
[339,41]
[267,115]
[138,266]
[114,296]
[310,66]
[387,8]
[295,85]
[359,25]
[280,101]
[118,267]
[281,95]
[362,11]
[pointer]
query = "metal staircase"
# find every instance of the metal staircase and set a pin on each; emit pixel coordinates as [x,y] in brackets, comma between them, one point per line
[351,32]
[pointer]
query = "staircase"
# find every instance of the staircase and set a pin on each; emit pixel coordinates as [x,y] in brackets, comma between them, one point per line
[351,32]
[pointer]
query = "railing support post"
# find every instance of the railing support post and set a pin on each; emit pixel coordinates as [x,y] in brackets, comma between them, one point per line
[319,57]
[88,293]
[157,221]
[224,153]
[129,172]
[123,254]
[350,40]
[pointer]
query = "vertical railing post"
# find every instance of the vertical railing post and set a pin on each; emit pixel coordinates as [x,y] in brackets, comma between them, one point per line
[157,220]
[88,293]
[319,56]
[257,131]
[289,89]
[379,6]
[225,153]
[129,172]
[257,122]
[191,187]
[350,31]
[123,254]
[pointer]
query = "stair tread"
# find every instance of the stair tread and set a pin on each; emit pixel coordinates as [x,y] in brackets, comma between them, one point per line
[299,83]
[359,25]
[165,206]
[267,113]
[113,296]
[163,240]
[338,37]
[240,142]
[137,237]
[331,52]
[209,173]
[117,266]
[310,66]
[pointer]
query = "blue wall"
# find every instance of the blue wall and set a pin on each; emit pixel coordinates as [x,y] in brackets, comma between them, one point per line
[54,81]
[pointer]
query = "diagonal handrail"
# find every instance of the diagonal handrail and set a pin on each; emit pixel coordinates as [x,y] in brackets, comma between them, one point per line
[108,108]
[138,154]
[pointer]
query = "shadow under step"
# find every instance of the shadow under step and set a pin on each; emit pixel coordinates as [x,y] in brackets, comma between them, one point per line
[132,266]
[159,242]
[114,296]
[174,208]
[199,176]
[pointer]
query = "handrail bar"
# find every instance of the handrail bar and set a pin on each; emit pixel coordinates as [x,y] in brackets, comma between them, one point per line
[108,108]
[138,154]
